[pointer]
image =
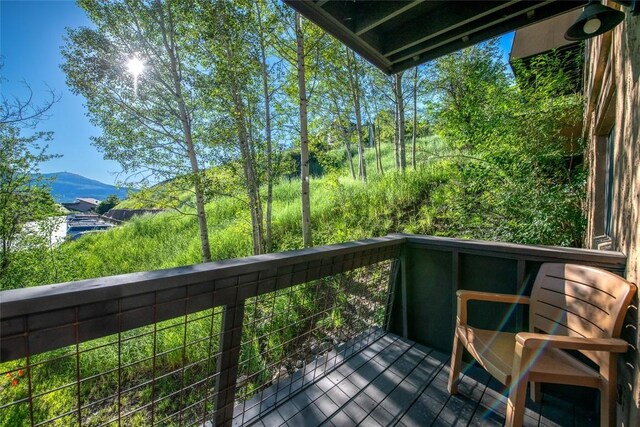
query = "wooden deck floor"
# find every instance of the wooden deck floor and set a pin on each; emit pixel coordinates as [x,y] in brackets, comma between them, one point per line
[384,380]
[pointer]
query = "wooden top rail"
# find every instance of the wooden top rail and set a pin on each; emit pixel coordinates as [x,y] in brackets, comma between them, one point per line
[33,320]
[609,260]
[38,319]
[36,299]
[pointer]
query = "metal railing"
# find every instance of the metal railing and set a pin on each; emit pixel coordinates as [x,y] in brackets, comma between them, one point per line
[434,268]
[188,345]
[222,343]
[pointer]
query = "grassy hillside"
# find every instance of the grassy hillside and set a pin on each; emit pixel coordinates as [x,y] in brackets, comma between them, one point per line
[441,197]
[342,209]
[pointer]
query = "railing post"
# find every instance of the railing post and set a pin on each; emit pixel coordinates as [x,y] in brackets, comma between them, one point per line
[230,340]
[455,286]
[520,289]
[403,290]
[394,272]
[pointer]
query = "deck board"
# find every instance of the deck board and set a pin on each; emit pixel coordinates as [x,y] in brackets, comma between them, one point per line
[380,379]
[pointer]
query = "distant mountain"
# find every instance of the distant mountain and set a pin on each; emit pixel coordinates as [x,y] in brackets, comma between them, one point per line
[66,187]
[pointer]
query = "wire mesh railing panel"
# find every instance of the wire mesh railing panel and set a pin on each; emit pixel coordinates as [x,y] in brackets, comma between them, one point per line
[160,374]
[293,335]
[181,347]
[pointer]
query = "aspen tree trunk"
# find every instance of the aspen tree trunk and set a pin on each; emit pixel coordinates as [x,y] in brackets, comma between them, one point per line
[267,131]
[378,150]
[376,138]
[253,191]
[248,162]
[345,138]
[373,141]
[355,95]
[169,45]
[304,138]
[415,118]
[400,102]
[396,145]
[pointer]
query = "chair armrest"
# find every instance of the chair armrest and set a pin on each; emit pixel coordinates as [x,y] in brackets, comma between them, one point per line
[466,295]
[531,340]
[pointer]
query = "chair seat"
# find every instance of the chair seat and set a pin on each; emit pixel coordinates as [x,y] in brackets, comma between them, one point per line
[494,351]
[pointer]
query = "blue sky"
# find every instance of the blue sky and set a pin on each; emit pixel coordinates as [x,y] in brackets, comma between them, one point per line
[30,39]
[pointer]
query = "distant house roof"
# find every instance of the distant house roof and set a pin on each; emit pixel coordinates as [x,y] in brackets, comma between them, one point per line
[88,200]
[82,204]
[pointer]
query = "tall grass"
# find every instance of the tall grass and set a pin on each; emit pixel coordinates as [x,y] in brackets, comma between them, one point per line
[342,209]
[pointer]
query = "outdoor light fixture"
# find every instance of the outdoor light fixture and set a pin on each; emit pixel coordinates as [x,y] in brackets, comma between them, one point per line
[594,20]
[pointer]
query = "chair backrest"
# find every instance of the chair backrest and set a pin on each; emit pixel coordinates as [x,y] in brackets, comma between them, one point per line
[579,301]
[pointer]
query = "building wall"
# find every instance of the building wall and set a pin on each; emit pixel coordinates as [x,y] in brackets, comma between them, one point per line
[612,88]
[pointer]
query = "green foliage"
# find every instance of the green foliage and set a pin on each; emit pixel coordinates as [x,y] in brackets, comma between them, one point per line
[108,203]
[153,122]
[142,127]
[25,201]
[466,85]
[514,176]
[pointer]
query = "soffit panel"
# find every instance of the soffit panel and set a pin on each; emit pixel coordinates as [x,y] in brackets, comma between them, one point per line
[396,35]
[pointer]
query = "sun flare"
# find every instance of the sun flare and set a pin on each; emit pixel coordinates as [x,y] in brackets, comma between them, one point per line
[135,66]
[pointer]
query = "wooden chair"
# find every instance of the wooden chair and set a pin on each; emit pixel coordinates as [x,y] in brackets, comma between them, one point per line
[572,307]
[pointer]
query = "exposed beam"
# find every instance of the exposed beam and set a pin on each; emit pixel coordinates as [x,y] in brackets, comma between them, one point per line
[446,44]
[333,26]
[448,22]
[409,53]
[396,35]
[383,16]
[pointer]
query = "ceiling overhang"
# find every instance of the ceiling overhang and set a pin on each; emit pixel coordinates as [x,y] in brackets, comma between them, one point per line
[395,35]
